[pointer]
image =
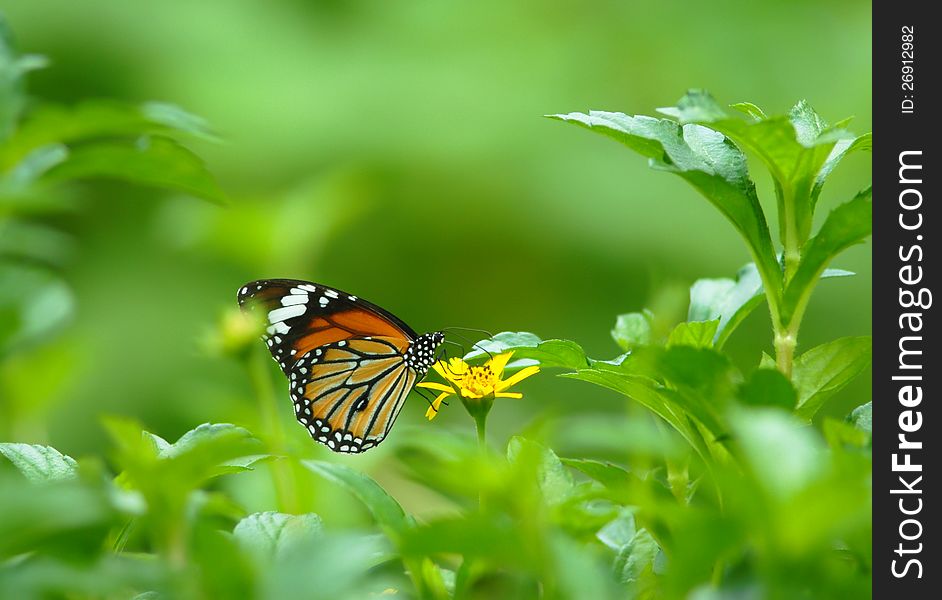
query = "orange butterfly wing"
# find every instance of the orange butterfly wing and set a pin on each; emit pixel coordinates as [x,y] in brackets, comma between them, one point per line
[350,364]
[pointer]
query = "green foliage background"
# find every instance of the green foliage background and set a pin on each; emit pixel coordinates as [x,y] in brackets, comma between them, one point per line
[397,150]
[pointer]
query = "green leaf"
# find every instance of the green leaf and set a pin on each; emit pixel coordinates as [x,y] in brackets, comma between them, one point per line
[525,345]
[706,159]
[384,508]
[728,300]
[824,370]
[154,161]
[159,468]
[554,481]
[750,109]
[862,417]
[696,334]
[841,149]
[768,387]
[785,455]
[647,393]
[175,118]
[204,437]
[98,120]
[848,224]
[606,473]
[274,534]
[13,67]
[636,559]
[39,463]
[731,301]
[618,533]
[794,148]
[632,330]
[34,303]
[33,166]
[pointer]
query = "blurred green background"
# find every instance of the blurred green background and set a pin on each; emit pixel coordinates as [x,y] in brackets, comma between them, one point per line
[397,150]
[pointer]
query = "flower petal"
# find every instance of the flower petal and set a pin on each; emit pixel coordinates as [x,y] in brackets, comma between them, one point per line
[469,393]
[434,385]
[498,363]
[508,395]
[436,405]
[439,368]
[517,377]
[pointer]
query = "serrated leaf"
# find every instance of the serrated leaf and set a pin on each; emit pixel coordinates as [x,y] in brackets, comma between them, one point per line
[841,149]
[703,157]
[554,481]
[732,300]
[768,387]
[632,330]
[525,345]
[384,508]
[606,473]
[848,224]
[696,334]
[862,417]
[794,148]
[274,534]
[153,161]
[636,558]
[39,463]
[617,533]
[822,371]
[728,300]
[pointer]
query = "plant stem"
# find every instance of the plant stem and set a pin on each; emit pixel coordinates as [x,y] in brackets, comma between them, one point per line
[281,471]
[785,342]
[480,424]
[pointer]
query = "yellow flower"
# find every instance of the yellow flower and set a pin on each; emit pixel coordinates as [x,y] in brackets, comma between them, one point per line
[475,382]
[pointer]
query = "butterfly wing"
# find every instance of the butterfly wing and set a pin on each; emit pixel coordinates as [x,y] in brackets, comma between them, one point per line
[345,359]
[349,393]
[301,316]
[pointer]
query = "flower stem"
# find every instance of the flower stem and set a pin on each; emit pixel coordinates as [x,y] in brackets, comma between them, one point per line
[281,471]
[480,424]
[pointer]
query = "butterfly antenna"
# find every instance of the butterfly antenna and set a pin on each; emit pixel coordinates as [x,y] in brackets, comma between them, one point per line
[431,402]
[475,330]
[474,344]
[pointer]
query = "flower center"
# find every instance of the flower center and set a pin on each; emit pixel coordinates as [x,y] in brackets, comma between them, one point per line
[479,380]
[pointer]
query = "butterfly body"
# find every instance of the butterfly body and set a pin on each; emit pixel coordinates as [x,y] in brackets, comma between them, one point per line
[350,364]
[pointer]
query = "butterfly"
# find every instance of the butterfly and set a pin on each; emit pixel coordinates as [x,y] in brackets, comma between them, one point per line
[350,364]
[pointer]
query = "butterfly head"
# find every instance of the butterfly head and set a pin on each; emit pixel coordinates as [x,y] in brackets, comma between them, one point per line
[420,355]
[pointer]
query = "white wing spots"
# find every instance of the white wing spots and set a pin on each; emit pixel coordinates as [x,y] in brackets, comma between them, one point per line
[307,287]
[243,291]
[352,298]
[284,313]
[278,327]
[341,343]
[292,299]
[331,294]
[323,300]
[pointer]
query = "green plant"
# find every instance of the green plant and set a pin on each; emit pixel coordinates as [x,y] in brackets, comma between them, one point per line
[700,480]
